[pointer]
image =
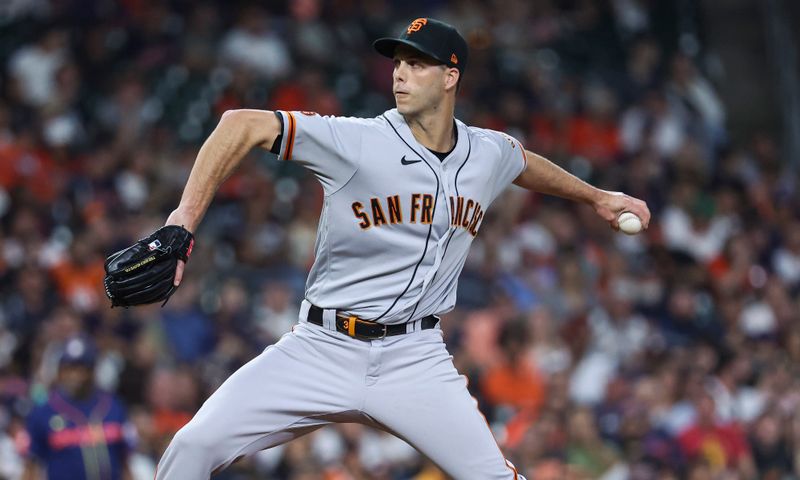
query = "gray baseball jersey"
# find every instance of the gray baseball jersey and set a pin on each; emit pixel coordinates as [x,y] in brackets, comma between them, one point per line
[393,237]
[397,222]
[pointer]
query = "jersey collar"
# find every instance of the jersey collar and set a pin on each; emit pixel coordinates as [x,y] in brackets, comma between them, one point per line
[459,151]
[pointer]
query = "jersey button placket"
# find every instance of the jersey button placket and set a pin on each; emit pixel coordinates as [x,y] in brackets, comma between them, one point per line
[446,175]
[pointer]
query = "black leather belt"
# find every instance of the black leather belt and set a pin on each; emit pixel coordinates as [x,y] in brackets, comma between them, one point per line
[364,329]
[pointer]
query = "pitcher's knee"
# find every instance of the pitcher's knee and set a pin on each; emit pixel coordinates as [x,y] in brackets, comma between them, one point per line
[197,446]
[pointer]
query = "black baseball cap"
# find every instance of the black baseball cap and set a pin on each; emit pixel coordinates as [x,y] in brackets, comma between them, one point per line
[434,38]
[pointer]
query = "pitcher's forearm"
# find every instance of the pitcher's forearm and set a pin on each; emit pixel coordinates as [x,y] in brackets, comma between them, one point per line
[219,156]
[542,175]
[237,133]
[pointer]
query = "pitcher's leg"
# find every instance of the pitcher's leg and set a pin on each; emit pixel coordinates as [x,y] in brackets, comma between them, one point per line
[429,406]
[289,390]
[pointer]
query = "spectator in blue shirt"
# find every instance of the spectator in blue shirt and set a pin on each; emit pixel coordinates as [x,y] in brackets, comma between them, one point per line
[80,432]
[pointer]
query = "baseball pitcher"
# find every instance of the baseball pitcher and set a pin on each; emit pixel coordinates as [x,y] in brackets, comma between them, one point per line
[406,192]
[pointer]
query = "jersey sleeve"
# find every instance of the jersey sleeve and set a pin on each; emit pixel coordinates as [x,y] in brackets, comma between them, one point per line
[510,165]
[328,146]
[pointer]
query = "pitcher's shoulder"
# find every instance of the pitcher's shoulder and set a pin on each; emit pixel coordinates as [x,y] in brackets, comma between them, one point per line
[364,122]
[487,134]
[488,138]
[340,123]
[330,117]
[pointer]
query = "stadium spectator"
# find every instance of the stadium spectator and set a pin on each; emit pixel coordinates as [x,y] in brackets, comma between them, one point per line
[78,432]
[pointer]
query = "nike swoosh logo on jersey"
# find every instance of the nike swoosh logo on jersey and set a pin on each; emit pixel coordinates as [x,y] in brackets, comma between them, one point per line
[408,162]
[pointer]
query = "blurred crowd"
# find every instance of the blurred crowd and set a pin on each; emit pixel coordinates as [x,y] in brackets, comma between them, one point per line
[674,354]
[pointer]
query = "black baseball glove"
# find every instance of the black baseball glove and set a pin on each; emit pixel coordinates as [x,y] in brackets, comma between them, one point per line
[144,272]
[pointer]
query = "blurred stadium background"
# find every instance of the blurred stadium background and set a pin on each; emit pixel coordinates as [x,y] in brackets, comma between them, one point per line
[670,355]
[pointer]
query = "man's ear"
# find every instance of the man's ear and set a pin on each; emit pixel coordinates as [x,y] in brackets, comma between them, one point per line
[451,77]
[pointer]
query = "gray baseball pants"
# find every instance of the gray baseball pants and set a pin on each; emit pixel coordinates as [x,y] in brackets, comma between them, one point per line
[405,385]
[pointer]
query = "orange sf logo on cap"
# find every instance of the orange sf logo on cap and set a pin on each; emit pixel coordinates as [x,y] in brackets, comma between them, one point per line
[416,25]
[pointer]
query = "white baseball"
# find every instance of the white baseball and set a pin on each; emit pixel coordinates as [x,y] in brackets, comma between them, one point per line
[629,223]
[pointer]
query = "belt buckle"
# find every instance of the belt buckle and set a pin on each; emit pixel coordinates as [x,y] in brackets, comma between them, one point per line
[385,331]
[350,324]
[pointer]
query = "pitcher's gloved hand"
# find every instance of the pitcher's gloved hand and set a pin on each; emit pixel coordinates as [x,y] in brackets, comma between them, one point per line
[144,272]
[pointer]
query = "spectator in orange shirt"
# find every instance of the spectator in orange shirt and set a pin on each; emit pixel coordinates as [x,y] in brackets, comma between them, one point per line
[24,164]
[514,381]
[79,278]
[595,135]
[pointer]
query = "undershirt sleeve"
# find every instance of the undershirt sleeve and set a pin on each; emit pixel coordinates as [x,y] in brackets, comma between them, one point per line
[276,145]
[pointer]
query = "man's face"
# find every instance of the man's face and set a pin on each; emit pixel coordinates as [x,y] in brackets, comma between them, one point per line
[76,379]
[418,81]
